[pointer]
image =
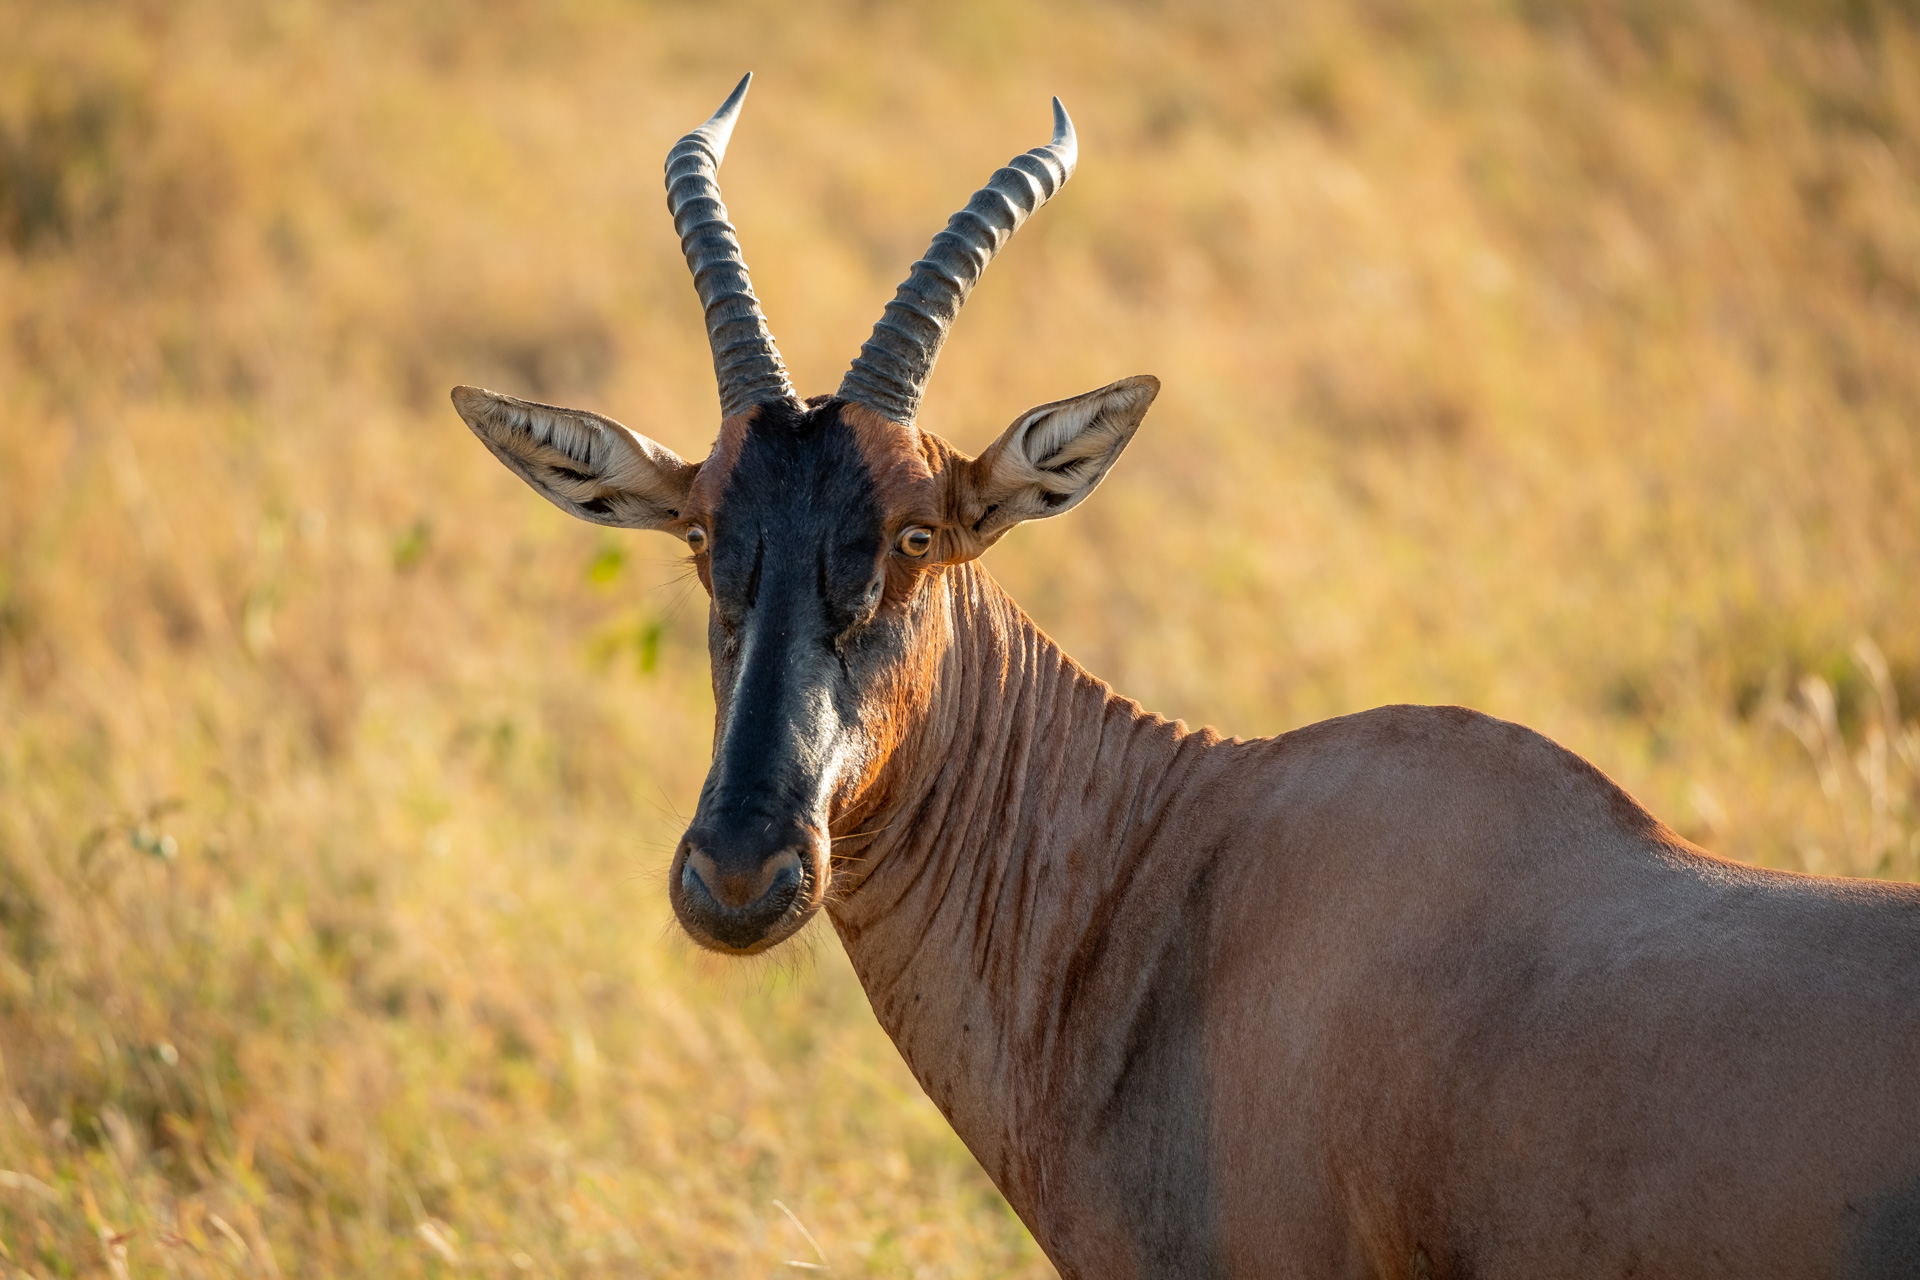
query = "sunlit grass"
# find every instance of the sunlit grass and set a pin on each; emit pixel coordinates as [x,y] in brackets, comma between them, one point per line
[1556,358]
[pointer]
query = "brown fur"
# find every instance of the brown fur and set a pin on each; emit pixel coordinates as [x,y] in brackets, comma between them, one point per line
[1415,988]
[710,482]
[1413,984]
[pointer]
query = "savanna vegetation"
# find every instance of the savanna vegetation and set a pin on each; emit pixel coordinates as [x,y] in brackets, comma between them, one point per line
[1556,357]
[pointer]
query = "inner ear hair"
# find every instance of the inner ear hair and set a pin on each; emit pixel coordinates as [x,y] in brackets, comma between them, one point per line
[1053,456]
[587,465]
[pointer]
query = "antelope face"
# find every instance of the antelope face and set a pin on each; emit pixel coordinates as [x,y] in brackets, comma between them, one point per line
[818,530]
[812,566]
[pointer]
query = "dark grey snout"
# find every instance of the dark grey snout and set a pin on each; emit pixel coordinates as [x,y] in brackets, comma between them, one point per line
[740,899]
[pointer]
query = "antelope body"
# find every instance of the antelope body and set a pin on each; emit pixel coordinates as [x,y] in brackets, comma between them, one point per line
[1414,992]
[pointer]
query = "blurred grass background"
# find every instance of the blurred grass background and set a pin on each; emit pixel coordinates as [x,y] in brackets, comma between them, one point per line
[1556,357]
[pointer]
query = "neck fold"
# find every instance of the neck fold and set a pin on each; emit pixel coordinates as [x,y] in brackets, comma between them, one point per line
[1010,845]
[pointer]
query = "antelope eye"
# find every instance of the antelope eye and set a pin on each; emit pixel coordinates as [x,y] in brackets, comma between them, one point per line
[696,539]
[916,541]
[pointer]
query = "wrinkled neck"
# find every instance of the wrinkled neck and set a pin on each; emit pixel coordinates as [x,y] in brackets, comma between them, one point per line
[1011,811]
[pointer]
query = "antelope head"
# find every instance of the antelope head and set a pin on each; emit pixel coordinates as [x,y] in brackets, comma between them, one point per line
[820,530]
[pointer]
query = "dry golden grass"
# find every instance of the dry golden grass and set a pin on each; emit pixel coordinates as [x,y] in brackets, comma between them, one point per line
[1554,357]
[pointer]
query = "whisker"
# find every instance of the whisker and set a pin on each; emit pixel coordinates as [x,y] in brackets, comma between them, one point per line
[858,835]
[666,807]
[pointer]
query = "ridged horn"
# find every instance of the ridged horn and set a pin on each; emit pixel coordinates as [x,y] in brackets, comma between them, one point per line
[891,372]
[746,364]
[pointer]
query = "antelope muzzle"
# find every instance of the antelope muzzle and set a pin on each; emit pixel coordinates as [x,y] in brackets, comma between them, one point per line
[744,886]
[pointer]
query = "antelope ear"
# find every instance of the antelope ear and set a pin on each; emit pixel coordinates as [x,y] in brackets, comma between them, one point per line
[584,464]
[1048,461]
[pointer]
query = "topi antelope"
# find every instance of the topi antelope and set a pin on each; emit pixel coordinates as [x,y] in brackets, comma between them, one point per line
[1414,992]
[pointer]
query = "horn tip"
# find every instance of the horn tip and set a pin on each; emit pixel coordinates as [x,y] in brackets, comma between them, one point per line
[719,127]
[1064,137]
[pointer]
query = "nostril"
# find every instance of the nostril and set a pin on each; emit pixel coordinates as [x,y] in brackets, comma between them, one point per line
[782,865]
[693,886]
[745,888]
[699,872]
